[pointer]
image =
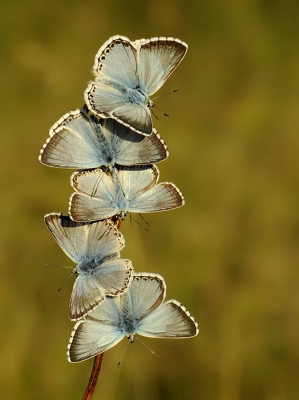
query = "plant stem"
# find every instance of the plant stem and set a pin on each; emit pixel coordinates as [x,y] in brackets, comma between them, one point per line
[97,364]
[93,377]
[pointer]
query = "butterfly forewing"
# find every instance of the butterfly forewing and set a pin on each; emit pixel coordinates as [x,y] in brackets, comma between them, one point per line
[136,180]
[75,141]
[158,57]
[70,236]
[116,60]
[107,238]
[146,293]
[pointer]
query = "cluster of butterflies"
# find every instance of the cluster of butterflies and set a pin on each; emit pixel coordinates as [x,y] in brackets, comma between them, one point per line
[113,144]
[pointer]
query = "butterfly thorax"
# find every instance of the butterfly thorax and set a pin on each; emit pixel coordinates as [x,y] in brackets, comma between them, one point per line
[137,96]
[87,266]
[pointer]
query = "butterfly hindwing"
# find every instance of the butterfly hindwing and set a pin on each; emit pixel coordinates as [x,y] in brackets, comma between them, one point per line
[90,338]
[171,320]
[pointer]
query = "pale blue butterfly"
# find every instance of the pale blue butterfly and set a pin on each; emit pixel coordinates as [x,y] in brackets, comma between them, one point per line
[101,193]
[127,73]
[95,248]
[140,310]
[79,140]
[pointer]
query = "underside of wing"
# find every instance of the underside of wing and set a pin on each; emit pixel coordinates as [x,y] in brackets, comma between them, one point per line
[130,148]
[135,116]
[164,196]
[104,241]
[69,235]
[136,180]
[146,293]
[158,57]
[117,60]
[115,276]
[86,295]
[88,208]
[90,338]
[75,141]
[171,320]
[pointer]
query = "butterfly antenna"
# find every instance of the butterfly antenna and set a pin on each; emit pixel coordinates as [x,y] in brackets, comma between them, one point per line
[163,113]
[164,94]
[72,273]
[147,347]
[56,265]
[144,219]
[143,227]
[123,354]
[152,111]
[131,219]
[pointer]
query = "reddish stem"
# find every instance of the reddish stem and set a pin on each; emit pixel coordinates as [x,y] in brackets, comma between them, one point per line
[93,377]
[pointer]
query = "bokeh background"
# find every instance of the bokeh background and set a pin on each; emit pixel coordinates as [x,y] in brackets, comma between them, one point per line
[230,255]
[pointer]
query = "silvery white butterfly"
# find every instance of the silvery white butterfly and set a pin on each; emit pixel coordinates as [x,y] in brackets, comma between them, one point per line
[127,73]
[103,193]
[95,248]
[79,140]
[140,310]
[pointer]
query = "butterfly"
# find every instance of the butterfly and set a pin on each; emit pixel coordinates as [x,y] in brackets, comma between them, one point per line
[140,310]
[103,193]
[79,140]
[127,73]
[95,248]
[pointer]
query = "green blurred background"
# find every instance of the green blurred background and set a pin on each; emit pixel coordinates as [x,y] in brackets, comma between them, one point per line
[230,255]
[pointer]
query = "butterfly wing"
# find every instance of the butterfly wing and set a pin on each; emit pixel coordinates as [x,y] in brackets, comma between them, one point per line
[103,242]
[110,278]
[170,320]
[76,141]
[96,334]
[116,61]
[86,295]
[157,59]
[146,293]
[164,196]
[95,197]
[69,235]
[130,148]
[135,180]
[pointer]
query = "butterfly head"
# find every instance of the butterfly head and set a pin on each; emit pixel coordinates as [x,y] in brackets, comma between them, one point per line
[131,337]
[150,103]
[122,215]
